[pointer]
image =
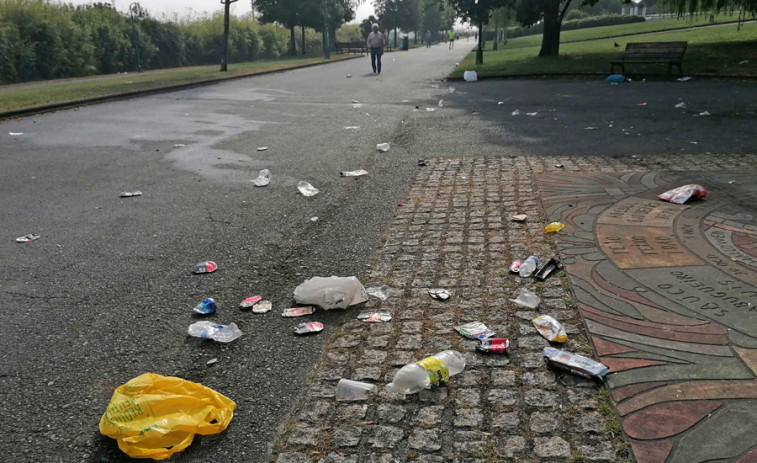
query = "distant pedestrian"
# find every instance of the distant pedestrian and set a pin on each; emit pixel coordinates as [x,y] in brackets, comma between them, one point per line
[376,43]
[451,39]
[427,37]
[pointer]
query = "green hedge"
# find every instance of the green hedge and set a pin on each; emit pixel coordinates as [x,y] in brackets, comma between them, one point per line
[596,21]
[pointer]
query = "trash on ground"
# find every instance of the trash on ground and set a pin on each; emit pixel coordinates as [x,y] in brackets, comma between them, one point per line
[548,269]
[331,293]
[309,327]
[263,178]
[528,266]
[129,194]
[532,114]
[430,110]
[574,363]
[441,103]
[298,312]
[206,307]
[526,298]
[205,267]
[354,173]
[357,105]
[519,217]
[348,390]
[494,346]
[682,194]
[262,307]
[685,79]
[680,105]
[591,128]
[211,362]
[307,189]
[515,266]
[615,78]
[349,76]
[249,302]
[415,377]
[500,103]
[351,127]
[704,113]
[470,76]
[154,416]
[554,227]
[439,294]
[423,162]
[641,104]
[263,148]
[28,238]
[475,330]
[375,317]
[179,145]
[314,219]
[743,62]
[452,89]
[516,112]
[559,166]
[550,329]
[383,147]
[15,134]
[217,332]
[381,292]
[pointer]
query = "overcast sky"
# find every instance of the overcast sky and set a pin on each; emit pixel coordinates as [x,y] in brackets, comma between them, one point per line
[195,7]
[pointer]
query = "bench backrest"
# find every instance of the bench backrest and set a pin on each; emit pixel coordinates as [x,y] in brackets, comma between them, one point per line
[349,44]
[655,49]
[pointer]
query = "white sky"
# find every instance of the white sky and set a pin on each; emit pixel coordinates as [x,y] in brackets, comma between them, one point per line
[197,7]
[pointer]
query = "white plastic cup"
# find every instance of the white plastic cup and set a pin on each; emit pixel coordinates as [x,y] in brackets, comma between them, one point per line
[348,390]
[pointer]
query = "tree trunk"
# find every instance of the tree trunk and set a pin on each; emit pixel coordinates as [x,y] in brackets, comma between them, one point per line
[332,37]
[292,42]
[304,49]
[225,51]
[395,37]
[550,42]
[496,37]
[480,51]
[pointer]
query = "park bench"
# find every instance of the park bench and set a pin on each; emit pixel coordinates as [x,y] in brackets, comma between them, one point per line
[354,47]
[652,52]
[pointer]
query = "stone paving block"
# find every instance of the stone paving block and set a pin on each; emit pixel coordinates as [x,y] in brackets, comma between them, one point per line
[546,422]
[469,417]
[386,436]
[391,413]
[347,436]
[545,447]
[337,458]
[430,416]
[425,439]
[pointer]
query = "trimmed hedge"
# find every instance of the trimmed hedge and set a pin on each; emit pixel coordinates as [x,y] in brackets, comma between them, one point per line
[596,21]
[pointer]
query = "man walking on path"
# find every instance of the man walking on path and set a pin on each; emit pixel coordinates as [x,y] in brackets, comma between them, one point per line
[451,40]
[376,43]
[427,37]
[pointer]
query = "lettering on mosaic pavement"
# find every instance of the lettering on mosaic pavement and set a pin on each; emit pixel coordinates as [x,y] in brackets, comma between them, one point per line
[727,294]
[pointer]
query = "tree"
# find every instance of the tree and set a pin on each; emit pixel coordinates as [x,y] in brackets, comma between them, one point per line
[367,24]
[478,12]
[397,14]
[285,12]
[744,7]
[432,19]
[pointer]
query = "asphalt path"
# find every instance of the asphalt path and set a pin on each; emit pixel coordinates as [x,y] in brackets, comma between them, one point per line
[106,293]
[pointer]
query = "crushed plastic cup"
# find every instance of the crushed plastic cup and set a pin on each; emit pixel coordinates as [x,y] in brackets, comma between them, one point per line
[262,307]
[307,189]
[554,227]
[129,194]
[206,307]
[309,327]
[380,292]
[470,76]
[214,331]
[348,390]
[249,302]
[353,173]
[28,238]
[526,298]
[263,178]
[439,294]
[205,267]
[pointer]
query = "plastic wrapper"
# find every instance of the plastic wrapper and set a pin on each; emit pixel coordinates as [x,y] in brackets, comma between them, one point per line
[549,268]
[206,267]
[307,328]
[298,312]
[27,238]
[574,363]
[475,330]
[375,317]
[380,292]
[554,227]
[331,293]
[129,194]
[206,307]
[154,416]
[353,173]
[262,307]
[550,328]
[439,294]
[682,194]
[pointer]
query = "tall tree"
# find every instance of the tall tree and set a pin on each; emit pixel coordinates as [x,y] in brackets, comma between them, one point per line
[285,12]
[478,12]
[397,15]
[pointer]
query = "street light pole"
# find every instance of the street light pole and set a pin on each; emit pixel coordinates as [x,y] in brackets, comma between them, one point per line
[326,42]
[225,56]
[136,9]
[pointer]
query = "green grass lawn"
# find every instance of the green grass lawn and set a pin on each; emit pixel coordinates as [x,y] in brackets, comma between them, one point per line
[715,51]
[61,91]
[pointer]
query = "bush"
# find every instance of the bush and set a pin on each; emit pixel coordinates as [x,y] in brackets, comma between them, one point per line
[596,21]
[576,14]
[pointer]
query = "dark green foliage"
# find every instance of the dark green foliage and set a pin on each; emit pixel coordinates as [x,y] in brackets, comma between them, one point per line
[609,20]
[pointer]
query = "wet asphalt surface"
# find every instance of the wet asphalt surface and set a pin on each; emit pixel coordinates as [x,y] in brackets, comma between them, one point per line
[107,293]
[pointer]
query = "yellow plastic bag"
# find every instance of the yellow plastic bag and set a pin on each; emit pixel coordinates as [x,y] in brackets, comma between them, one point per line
[554,227]
[154,416]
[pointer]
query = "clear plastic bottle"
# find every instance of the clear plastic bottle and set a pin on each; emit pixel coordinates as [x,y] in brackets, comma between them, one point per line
[528,266]
[214,331]
[415,377]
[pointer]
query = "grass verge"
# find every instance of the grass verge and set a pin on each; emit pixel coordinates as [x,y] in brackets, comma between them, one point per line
[62,91]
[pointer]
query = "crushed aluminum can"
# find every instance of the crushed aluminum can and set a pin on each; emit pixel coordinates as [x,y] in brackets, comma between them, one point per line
[375,316]
[574,363]
[475,330]
[439,294]
[310,327]
[515,266]
[298,311]
[206,267]
[27,238]
[494,346]
[129,194]
[548,269]
[262,307]
[249,302]
[206,307]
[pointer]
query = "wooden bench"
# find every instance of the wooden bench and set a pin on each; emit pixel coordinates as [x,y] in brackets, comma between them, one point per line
[351,47]
[652,52]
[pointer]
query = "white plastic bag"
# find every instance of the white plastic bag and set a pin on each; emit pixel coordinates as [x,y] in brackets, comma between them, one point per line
[470,76]
[331,293]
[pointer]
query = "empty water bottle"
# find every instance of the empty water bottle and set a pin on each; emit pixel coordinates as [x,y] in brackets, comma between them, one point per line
[415,377]
[214,331]
[528,266]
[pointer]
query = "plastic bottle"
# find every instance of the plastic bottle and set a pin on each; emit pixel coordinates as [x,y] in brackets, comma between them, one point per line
[214,331]
[528,266]
[415,377]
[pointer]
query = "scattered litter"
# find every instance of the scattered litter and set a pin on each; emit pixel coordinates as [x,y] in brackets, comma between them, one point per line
[214,331]
[331,293]
[314,219]
[179,145]
[741,63]
[263,148]
[526,298]
[263,178]
[262,307]
[441,103]
[680,105]
[694,142]
[470,76]
[206,307]
[475,330]
[355,101]
[211,361]
[559,166]
[434,85]
[374,317]
[381,292]
[500,102]
[452,89]
[383,147]
[205,267]
[357,105]
[15,134]
[154,416]
[129,194]
[439,294]
[515,266]
[494,346]
[548,269]
[574,363]
[682,194]
[415,377]
[554,227]
[516,112]
[591,128]
[423,162]
[430,110]
[532,114]
[528,266]
[351,127]
[348,390]
[616,78]
[704,113]
[310,327]
[349,76]
[354,173]
[28,238]
[307,189]
[298,312]
[684,79]
[519,217]
[642,104]
[249,302]
[550,328]
[406,101]
[731,182]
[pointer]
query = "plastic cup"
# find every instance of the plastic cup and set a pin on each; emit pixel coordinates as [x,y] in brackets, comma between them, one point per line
[347,390]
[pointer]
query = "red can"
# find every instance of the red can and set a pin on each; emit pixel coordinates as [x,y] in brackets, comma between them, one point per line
[494,345]
[515,266]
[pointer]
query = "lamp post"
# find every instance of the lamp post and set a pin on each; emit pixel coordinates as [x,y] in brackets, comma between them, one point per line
[135,10]
[225,57]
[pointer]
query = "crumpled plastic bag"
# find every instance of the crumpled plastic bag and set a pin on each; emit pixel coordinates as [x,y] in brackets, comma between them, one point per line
[331,293]
[550,329]
[154,416]
[682,194]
